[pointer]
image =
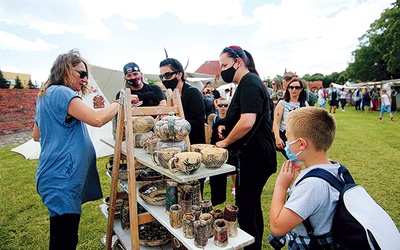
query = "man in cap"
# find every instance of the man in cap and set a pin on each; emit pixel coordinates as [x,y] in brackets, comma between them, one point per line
[147,94]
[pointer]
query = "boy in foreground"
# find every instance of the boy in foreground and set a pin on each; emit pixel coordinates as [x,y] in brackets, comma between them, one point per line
[310,132]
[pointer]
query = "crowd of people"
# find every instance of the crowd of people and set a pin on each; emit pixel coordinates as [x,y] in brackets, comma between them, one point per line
[253,122]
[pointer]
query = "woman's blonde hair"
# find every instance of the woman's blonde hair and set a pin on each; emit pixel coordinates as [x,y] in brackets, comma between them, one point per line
[314,123]
[62,72]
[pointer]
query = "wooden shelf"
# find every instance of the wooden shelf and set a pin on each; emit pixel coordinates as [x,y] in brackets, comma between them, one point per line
[145,159]
[130,238]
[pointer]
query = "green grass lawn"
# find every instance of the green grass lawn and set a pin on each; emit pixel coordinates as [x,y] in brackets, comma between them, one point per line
[368,148]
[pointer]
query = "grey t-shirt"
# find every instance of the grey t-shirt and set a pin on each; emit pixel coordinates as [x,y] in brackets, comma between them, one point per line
[314,198]
[287,108]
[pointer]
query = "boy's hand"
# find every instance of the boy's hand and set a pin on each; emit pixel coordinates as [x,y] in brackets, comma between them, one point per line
[288,171]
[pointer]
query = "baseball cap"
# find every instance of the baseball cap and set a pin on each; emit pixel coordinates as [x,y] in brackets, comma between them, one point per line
[131,67]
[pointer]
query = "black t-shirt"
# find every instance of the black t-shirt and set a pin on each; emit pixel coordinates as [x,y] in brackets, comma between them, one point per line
[251,96]
[193,108]
[150,95]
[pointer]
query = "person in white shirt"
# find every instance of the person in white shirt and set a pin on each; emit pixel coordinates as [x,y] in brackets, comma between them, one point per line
[342,98]
[385,105]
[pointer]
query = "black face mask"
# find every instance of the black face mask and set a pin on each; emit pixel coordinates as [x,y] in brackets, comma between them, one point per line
[170,84]
[134,82]
[228,74]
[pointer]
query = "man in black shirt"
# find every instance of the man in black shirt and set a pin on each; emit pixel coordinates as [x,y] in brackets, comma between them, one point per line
[147,94]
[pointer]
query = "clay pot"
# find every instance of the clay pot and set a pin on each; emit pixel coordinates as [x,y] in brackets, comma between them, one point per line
[142,124]
[198,147]
[162,156]
[188,225]
[220,233]
[150,145]
[172,128]
[186,162]
[214,157]
[175,216]
[172,144]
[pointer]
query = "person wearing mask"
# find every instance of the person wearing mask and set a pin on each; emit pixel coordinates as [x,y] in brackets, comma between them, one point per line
[141,92]
[67,174]
[295,97]
[247,134]
[172,76]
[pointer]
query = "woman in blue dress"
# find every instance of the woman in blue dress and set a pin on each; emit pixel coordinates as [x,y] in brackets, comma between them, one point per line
[67,175]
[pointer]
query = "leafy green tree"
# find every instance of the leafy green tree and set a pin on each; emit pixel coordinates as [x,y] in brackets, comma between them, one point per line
[18,83]
[4,84]
[31,85]
[378,55]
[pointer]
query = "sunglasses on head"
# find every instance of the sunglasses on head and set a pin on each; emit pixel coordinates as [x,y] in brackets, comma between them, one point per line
[82,74]
[167,75]
[295,87]
[222,105]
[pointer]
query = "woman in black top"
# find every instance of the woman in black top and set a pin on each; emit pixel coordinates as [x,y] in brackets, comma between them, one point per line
[248,128]
[172,76]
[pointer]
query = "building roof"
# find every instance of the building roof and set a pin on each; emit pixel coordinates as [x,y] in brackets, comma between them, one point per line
[210,68]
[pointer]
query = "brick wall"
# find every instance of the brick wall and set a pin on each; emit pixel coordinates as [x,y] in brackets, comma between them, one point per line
[17,110]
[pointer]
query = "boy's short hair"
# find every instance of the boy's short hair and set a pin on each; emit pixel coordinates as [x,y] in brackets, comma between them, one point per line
[314,123]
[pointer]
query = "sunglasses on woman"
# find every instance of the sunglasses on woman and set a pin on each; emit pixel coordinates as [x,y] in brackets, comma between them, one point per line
[295,87]
[222,105]
[167,75]
[82,74]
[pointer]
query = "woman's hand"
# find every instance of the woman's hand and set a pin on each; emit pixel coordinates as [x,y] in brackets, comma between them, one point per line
[221,144]
[279,143]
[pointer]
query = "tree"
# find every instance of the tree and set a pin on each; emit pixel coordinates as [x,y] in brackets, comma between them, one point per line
[31,85]
[4,84]
[378,55]
[18,84]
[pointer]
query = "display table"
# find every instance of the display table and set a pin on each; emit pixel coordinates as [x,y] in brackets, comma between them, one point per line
[145,159]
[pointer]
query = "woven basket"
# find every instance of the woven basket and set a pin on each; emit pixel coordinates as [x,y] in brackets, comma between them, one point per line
[154,192]
[153,234]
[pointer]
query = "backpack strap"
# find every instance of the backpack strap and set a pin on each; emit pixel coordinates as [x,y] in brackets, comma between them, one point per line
[332,180]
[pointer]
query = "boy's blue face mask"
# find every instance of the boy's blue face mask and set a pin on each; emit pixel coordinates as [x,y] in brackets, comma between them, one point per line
[290,155]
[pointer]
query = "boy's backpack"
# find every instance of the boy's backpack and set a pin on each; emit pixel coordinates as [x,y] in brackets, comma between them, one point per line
[359,222]
[334,94]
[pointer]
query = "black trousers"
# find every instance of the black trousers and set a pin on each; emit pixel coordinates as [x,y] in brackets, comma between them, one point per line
[64,231]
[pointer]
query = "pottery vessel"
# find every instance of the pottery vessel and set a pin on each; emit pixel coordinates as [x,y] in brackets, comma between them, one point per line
[220,233]
[188,225]
[172,128]
[200,233]
[199,146]
[172,144]
[214,157]
[162,156]
[142,124]
[150,144]
[175,216]
[210,222]
[186,162]
[141,138]
[171,195]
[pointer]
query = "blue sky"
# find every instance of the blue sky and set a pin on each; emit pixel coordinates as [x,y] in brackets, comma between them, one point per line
[307,37]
